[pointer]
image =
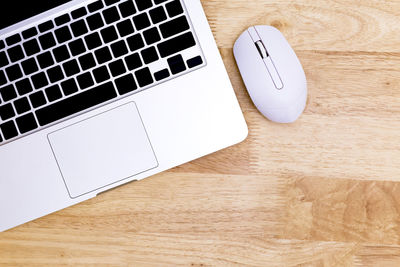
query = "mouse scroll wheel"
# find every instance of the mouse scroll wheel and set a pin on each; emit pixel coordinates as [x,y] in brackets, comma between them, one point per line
[261,49]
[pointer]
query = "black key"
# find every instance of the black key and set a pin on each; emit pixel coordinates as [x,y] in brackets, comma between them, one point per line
[8,93]
[161,75]
[29,33]
[143,76]
[29,66]
[15,53]
[45,60]
[3,59]
[193,62]
[141,21]
[2,44]
[79,28]
[176,64]
[133,61]
[101,74]
[158,14]
[63,34]
[174,8]
[78,13]
[37,99]
[62,19]
[13,73]
[76,103]
[22,105]
[1,138]
[9,130]
[111,15]
[110,2]
[71,67]
[143,4]
[95,21]
[176,44]
[47,41]
[149,55]
[157,2]
[151,36]
[127,8]
[46,26]
[13,39]
[135,42]
[61,53]
[95,6]
[125,28]
[109,34]
[3,79]
[87,61]
[53,93]
[31,47]
[173,27]
[85,80]
[6,112]
[69,87]
[103,55]
[55,74]
[119,48]
[93,40]
[26,123]
[117,68]
[126,84]
[24,86]
[77,47]
[39,80]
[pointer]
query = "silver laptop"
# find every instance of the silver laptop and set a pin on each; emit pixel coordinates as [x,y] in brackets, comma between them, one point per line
[95,94]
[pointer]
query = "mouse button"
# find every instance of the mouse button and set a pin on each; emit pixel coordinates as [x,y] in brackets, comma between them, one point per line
[273,72]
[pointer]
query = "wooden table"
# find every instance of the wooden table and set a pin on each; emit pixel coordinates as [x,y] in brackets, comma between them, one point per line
[324,191]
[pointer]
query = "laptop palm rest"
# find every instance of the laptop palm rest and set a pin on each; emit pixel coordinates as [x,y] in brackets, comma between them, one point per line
[102,150]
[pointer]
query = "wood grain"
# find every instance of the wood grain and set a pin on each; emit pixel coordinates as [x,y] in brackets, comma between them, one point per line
[324,191]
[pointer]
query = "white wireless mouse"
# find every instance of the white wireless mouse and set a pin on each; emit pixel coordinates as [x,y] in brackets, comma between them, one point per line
[272,73]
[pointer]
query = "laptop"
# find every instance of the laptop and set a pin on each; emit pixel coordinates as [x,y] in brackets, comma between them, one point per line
[96,94]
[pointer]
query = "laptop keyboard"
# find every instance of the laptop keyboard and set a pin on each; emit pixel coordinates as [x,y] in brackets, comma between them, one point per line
[93,55]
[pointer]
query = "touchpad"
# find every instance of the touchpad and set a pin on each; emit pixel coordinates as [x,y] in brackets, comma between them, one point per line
[102,150]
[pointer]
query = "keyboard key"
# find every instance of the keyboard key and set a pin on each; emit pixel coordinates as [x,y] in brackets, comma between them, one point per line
[111,15]
[3,79]
[95,21]
[161,75]
[2,44]
[9,130]
[117,68]
[110,2]
[13,72]
[151,36]
[55,74]
[125,28]
[29,66]
[47,41]
[133,61]
[93,40]
[76,103]
[101,74]
[149,55]
[193,62]
[143,76]
[135,42]
[87,61]
[29,33]
[158,14]
[157,2]
[46,26]
[119,48]
[31,47]
[26,123]
[77,47]
[174,8]
[22,105]
[143,4]
[78,13]
[8,93]
[53,93]
[3,59]
[63,34]
[45,60]
[7,112]
[69,87]
[39,80]
[15,53]
[174,27]
[127,8]
[126,84]
[37,99]
[79,28]
[93,7]
[85,80]
[141,21]
[176,64]
[109,34]
[176,44]
[61,53]
[13,39]
[71,67]
[103,55]
[63,19]
[24,87]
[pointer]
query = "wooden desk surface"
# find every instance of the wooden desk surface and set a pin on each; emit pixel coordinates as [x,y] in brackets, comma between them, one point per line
[324,191]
